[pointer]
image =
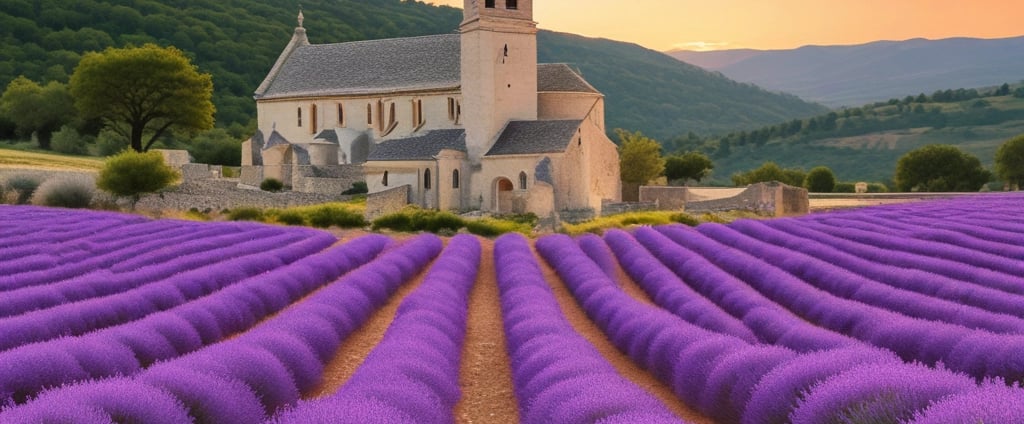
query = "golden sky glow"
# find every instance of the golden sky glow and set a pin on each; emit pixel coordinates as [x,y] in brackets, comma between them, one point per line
[775,24]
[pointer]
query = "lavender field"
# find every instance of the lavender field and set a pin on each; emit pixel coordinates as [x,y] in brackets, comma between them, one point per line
[897,314]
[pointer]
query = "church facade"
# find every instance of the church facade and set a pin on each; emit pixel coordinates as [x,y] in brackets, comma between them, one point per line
[468,121]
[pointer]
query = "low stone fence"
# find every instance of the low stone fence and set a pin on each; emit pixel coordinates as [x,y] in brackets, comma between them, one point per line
[626,207]
[387,202]
[773,199]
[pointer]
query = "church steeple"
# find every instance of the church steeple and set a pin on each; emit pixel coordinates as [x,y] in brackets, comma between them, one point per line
[298,40]
[499,69]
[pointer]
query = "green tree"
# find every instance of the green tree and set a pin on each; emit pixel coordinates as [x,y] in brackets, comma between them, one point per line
[688,166]
[820,180]
[770,171]
[143,92]
[940,168]
[639,157]
[37,109]
[1010,161]
[131,174]
[216,147]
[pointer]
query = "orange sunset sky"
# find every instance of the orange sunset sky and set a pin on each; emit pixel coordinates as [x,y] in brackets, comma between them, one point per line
[775,24]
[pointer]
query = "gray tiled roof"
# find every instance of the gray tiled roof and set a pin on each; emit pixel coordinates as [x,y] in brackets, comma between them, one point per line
[329,136]
[275,139]
[363,67]
[392,65]
[561,78]
[535,137]
[423,147]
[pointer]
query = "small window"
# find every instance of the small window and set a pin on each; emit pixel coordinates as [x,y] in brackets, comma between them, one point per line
[385,179]
[511,4]
[417,114]
[455,178]
[426,179]
[341,115]
[451,109]
[312,119]
[522,181]
[300,117]
[369,114]
[489,4]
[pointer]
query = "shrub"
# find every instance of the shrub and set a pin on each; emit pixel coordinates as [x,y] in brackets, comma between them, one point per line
[73,192]
[685,219]
[272,185]
[491,227]
[820,180]
[24,185]
[325,216]
[358,187]
[69,141]
[109,144]
[131,174]
[414,220]
[246,213]
[877,188]
[290,217]
[845,188]
[216,147]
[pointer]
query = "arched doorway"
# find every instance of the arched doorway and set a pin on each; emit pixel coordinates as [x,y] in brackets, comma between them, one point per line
[503,196]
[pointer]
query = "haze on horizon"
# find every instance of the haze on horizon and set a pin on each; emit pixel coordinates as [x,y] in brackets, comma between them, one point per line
[780,24]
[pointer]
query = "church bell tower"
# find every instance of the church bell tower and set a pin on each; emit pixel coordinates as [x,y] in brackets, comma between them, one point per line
[499,69]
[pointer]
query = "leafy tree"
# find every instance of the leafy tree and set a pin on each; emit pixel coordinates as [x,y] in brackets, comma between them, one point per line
[1019,92]
[1010,161]
[688,166]
[70,142]
[216,147]
[1003,90]
[131,174]
[37,109]
[143,92]
[940,168]
[770,171]
[820,180]
[639,157]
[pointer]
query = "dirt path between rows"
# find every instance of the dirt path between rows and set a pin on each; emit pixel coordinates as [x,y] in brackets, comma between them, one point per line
[623,364]
[360,343]
[486,376]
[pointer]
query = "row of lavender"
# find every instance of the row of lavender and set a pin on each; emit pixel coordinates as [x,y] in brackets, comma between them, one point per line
[942,291]
[239,354]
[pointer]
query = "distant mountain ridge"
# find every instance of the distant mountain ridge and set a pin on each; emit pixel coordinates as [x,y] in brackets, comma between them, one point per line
[854,75]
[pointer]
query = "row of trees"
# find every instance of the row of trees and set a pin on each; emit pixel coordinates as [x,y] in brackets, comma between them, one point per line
[136,96]
[932,168]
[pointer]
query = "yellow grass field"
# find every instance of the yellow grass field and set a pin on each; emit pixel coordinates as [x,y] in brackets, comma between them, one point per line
[47,161]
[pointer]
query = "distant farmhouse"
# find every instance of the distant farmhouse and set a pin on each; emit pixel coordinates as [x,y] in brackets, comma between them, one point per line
[465,121]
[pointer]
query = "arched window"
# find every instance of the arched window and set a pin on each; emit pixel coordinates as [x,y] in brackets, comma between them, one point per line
[300,117]
[341,115]
[522,181]
[426,179]
[385,179]
[455,178]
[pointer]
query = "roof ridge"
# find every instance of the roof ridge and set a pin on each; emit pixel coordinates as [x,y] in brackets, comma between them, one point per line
[377,40]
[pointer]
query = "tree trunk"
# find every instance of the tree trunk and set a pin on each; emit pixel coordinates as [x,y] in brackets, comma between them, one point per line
[136,138]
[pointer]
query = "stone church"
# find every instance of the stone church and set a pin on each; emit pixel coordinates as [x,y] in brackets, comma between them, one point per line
[465,121]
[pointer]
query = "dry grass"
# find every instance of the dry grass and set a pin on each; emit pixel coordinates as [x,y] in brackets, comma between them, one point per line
[47,161]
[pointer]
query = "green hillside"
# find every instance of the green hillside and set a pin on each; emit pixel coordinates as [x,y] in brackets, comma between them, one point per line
[238,41]
[662,97]
[864,144]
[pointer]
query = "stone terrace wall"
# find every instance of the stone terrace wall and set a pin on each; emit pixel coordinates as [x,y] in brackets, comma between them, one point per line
[665,198]
[774,199]
[387,202]
[625,207]
[331,180]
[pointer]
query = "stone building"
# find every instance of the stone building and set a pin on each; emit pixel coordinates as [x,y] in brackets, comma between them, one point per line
[467,121]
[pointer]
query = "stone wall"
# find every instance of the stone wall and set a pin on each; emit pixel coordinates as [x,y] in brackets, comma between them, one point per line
[331,180]
[196,171]
[251,176]
[772,199]
[576,216]
[665,198]
[625,207]
[387,202]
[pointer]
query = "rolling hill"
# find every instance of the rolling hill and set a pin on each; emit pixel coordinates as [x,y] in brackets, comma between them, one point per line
[864,144]
[854,75]
[238,41]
